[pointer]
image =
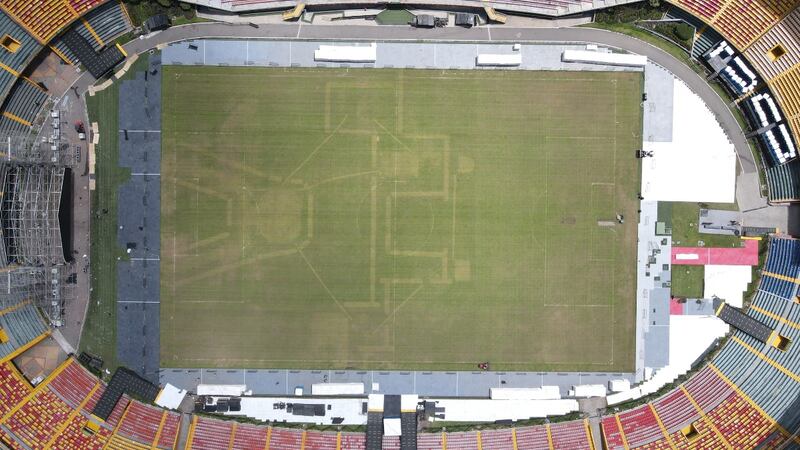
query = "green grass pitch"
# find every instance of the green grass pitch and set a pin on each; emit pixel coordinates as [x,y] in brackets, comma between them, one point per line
[399,219]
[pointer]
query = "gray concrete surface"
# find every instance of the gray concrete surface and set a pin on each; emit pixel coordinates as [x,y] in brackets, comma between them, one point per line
[439,384]
[657,121]
[410,55]
[139,219]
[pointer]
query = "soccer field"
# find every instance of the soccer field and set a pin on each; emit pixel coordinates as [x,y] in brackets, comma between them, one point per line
[399,219]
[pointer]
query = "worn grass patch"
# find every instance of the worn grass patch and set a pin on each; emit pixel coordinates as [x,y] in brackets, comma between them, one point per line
[398,219]
[687,281]
[685,226]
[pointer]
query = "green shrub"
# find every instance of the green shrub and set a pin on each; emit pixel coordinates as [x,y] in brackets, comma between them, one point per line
[684,32]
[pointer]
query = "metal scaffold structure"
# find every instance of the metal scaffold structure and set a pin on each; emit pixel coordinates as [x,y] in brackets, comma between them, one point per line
[32,263]
[45,142]
[29,214]
[48,288]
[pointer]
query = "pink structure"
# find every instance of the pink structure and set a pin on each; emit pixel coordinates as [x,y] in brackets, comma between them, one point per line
[703,256]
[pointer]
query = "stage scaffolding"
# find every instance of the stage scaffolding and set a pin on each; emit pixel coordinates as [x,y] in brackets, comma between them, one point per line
[29,214]
[49,288]
[32,263]
[45,142]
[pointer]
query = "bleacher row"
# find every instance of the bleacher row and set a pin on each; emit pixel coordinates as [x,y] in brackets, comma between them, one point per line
[740,78]
[45,18]
[25,101]
[209,434]
[99,27]
[20,325]
[740,21]
[25,26]
[57,414]
[18,49]
[705,413]
[555,7]
[776,55]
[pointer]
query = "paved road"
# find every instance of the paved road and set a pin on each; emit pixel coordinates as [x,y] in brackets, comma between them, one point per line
[318,32]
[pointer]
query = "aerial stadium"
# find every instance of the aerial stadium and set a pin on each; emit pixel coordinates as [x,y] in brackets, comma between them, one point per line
[431,224]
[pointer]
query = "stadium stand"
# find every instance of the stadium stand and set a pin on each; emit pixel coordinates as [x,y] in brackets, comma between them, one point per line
[702,8]
[35,420]
[374,436]
[786,87]
[249,436]
[741,21]
[503,439]
[21,324]
[99,28]
[739,423]
[170,427]
[10,127]
[783,259]
[430,441]
[60,48]
[526,437]
[778,50]
[75,436]
[408,429]
[42,18]
[571,436]
[74,384]
[315,440]
[210,434]
[145,424]
[774,136]
[705,36]
[732,68]
[764,41]
[108,21]
[17,49]
[675,410]
[706,390]
[286,439]
[24,102]
[391,443]
[463,440]
[13,388]
[638,426]
[551,7]
[120,443]
[612,433]
[81,6]
[352,441]
[783,182]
